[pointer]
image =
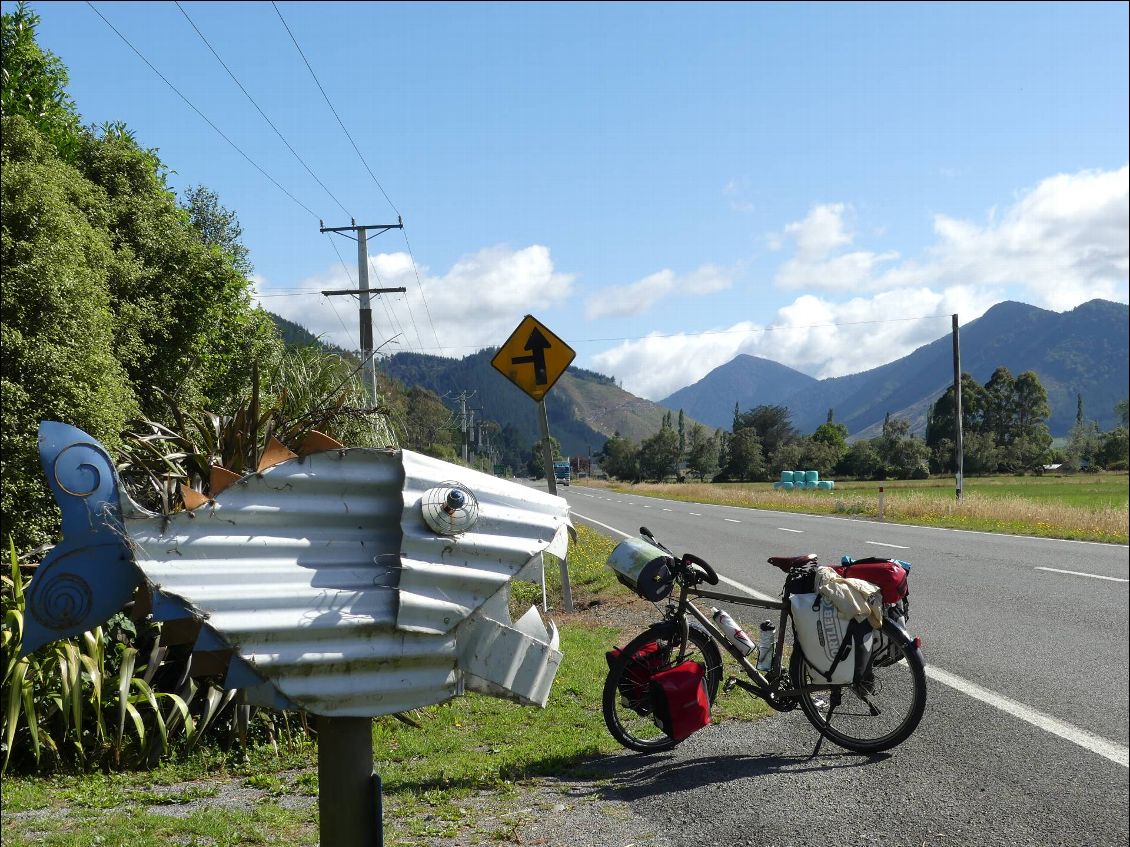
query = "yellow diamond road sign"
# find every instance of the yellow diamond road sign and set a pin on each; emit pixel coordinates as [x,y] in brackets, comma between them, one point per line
[533,358]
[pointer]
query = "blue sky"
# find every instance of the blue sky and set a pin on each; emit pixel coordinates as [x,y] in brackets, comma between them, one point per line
[663,185]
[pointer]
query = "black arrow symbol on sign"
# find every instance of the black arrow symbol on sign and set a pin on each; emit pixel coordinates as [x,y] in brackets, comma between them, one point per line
[537,345]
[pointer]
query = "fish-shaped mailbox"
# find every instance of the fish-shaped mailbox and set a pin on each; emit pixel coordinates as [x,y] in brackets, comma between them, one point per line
[346,582]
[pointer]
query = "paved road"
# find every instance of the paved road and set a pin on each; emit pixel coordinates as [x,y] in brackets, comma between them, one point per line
[1025,737]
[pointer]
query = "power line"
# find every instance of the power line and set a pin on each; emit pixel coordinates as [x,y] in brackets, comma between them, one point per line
[270,123]
[201,114]
[332,109]
[357,150]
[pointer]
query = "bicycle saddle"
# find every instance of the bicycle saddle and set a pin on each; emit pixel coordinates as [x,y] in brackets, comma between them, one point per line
[787,563]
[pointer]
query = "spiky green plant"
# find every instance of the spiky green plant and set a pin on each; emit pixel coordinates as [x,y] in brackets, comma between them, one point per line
[67,704]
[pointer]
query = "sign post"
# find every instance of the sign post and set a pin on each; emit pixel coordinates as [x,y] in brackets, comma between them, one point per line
[533,358]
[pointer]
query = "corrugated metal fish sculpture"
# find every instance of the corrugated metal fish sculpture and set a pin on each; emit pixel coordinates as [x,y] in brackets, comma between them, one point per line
[346,582]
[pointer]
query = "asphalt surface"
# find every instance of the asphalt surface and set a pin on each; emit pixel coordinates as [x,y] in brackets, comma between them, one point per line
[1025,735]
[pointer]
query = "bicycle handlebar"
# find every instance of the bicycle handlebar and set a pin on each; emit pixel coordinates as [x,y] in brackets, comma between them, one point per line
[687,560]
[701,564]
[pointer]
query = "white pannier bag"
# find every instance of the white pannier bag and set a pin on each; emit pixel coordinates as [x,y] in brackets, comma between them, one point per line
[822,632]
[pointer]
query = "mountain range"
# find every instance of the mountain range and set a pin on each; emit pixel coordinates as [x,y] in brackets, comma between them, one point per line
[1081,352]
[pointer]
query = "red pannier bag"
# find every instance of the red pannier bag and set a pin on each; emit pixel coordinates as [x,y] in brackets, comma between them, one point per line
[888,575]
[637,676]
[680,701]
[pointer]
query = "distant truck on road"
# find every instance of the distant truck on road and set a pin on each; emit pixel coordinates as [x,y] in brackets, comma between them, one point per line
[561,472]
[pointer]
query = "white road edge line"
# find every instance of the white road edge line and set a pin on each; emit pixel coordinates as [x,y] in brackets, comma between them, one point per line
[881,544]
[1080,573]
[786,529]
[1115,752]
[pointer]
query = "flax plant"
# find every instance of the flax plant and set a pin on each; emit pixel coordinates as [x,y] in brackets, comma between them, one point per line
[81,702]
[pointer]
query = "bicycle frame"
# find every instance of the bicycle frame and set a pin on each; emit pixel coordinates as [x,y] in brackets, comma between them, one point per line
[761,685]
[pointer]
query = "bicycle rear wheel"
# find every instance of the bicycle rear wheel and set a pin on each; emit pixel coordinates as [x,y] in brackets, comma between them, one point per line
[881,712]
[628,709]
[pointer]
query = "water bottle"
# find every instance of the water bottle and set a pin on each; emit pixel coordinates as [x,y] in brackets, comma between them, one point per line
[766,644]
[733,631]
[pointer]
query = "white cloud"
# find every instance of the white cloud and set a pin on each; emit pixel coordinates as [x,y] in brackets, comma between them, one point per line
[1064,242]
[476,304]
[641,295]
[813,335]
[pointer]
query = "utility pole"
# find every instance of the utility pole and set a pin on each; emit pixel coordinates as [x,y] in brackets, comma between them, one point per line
[958,451]
[368,366]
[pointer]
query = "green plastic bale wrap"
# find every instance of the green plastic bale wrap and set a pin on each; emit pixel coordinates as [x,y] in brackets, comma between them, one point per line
[786,476]
[811,476]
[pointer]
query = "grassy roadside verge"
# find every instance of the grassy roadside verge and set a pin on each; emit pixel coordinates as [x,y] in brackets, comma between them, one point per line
[465,776]
[1081,509]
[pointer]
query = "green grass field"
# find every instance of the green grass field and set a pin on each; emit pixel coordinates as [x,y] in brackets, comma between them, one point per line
[1088,491]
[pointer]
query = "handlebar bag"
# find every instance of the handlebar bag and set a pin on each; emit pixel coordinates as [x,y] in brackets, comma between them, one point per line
[643,567]
[633,685]
[889,575]
[680,701]
[837,648]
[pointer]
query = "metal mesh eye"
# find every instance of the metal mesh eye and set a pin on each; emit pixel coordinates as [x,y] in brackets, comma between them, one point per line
[450,508]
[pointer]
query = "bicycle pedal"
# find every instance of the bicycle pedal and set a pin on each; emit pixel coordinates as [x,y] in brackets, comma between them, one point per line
[729,685]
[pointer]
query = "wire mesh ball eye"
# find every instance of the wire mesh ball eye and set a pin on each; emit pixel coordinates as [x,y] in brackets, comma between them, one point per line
[450,508]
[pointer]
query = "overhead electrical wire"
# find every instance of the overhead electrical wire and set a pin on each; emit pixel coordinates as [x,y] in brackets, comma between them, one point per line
[236,147]
[357,150]
[206,119]
[263,114]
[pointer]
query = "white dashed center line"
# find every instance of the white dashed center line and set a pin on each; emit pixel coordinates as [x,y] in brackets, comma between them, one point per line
[786,529]
[881,544]
[1080,573]
[731,520]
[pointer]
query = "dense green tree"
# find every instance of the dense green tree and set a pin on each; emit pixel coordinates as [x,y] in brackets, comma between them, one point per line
[940,422]
[807,454]
[772,425]
[861,461]
[1000,406]
[746,456]
[110,289]
[620,459]
[218,226]
[903,455]
[536,464]
[659,455]
[702,452]
[57,324]
[34,84]
[834,435]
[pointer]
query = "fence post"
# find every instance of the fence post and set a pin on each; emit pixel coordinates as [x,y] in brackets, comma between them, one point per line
[880,502]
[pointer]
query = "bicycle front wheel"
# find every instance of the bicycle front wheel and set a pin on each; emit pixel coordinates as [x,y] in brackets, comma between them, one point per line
[880,712]
[628,708]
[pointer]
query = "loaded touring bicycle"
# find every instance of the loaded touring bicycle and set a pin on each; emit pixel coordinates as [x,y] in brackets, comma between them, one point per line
[850,665]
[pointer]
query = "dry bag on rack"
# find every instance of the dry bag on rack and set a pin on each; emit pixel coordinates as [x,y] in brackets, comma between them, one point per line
[889,575]
[679,698]
[643,567]
[838,649]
